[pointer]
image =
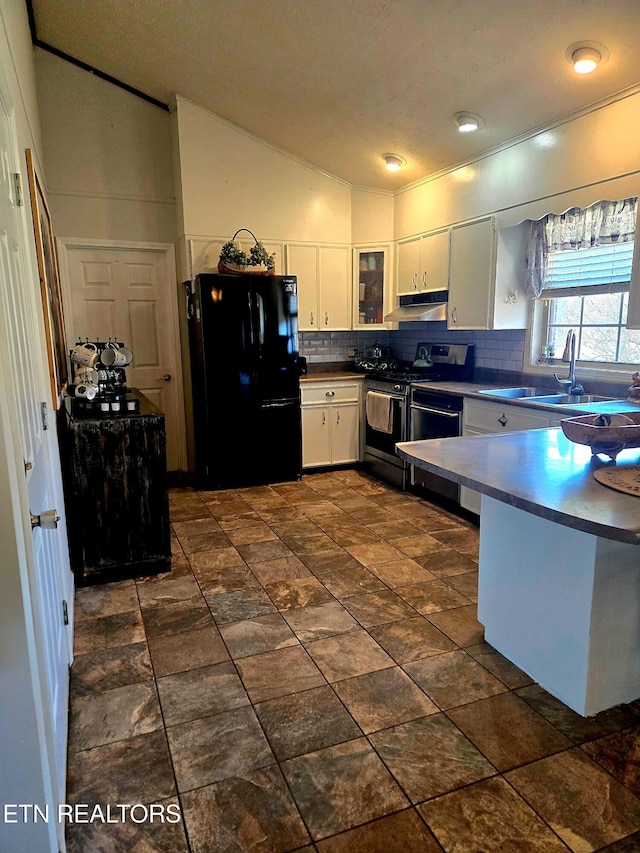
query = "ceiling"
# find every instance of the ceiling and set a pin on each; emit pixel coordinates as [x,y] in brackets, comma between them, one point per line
[339,83]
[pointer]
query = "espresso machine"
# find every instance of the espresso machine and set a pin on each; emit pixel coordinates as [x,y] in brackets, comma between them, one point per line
[99,385]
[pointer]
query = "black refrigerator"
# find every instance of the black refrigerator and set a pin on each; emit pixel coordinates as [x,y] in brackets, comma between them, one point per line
[245,372]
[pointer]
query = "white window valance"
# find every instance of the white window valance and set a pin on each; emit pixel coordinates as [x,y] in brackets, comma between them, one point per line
[603,223]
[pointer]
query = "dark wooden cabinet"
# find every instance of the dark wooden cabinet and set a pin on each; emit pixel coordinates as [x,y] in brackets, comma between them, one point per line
[115,481]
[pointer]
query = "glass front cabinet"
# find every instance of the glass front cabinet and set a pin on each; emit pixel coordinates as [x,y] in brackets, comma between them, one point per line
[371,286]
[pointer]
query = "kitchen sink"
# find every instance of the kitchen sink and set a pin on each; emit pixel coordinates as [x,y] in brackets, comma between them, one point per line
[513,393]
[568,399]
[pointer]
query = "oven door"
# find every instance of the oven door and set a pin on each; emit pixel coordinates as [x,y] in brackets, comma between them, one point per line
[382,445]
[431,422]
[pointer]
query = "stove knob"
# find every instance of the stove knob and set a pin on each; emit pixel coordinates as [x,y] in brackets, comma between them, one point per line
[397,387]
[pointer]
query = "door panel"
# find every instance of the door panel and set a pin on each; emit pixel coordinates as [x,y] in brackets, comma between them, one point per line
[128,293]
[408,266]
[335,287]
[302,261]
[316,436]
[144,340]
[41,569]
[345,434]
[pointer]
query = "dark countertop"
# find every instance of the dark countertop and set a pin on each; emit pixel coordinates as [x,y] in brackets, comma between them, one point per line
[145,408]
[539,471]
[473,389]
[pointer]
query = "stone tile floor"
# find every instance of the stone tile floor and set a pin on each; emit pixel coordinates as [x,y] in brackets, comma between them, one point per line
[311,676]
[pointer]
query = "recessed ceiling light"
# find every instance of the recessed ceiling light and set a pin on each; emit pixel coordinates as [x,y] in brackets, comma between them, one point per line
[585,60]
[468,122]
[393,162]
[586,56]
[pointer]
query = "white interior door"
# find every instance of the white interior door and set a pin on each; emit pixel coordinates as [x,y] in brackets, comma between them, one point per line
[128,293]
[29,483]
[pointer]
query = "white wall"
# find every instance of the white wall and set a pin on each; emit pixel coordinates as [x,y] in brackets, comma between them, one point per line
[231,179]
[371,216]
[578,162]
[108,157]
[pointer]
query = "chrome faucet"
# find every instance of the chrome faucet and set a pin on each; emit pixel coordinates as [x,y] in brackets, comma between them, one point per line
[570,385]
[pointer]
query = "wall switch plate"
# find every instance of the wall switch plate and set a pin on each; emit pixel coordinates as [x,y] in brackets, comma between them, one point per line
[351,352]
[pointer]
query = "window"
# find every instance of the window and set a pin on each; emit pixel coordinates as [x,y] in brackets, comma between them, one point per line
[583,280]
[587,290]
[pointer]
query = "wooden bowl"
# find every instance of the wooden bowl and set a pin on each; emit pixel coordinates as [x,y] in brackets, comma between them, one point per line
[607,434]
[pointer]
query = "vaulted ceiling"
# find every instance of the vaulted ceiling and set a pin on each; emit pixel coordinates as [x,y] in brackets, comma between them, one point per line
[339,83]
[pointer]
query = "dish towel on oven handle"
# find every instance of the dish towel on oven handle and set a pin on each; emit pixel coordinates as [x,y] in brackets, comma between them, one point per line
[379,411]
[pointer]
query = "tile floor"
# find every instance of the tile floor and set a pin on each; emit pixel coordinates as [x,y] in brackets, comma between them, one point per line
[311,676]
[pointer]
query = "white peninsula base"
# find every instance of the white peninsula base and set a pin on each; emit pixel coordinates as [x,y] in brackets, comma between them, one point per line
[562,604]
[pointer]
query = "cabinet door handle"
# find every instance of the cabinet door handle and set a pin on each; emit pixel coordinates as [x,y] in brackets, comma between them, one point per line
[337,417]
[326,318]
[414,280]
[311,319]
[329,393]
[454,315]
[502,420]
[324,418]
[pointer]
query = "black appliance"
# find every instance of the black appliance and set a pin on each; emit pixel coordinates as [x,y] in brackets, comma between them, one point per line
[434,415]
[245,373]
[432,363]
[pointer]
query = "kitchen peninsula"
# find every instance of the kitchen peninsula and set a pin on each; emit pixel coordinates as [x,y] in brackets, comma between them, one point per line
[559,575]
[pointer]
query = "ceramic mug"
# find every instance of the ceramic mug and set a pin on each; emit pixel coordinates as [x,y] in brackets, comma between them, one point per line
[83,390]
[87,375]
[86,354]
[116,356]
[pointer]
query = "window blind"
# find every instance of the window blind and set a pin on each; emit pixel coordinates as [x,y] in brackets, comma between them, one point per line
[580,272]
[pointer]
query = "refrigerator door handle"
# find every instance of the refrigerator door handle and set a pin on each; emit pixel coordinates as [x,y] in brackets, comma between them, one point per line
[250,314]
[260,306]
[279,404]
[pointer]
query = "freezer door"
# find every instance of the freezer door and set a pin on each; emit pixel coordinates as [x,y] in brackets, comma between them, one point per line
[253,447]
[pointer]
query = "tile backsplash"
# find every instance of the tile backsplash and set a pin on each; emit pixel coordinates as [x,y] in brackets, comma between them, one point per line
[501,350]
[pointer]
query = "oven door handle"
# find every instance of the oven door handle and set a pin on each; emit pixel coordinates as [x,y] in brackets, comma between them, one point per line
[442,412]
[401,400]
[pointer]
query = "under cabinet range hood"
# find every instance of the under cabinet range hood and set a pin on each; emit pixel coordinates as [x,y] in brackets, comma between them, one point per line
[420,306]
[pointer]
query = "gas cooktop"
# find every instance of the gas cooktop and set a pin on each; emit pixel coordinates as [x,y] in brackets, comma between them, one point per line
[432,363]
[427,375]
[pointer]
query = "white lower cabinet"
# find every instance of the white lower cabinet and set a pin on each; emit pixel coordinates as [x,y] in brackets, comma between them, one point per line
[483,418]
[330,423]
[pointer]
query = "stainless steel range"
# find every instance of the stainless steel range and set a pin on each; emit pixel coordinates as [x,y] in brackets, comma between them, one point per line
[387,403]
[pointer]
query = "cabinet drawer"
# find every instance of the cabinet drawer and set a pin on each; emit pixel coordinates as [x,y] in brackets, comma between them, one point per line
[329,392]
[495,417]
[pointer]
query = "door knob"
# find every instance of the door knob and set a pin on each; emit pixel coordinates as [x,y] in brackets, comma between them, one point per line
[166,377]
[47,520]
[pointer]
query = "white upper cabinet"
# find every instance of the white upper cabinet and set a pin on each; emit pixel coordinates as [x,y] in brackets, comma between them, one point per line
[486,277]
[324,286]
[423,264]
[334,281]
[302,261]
[434,261]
